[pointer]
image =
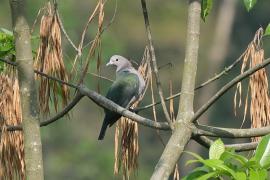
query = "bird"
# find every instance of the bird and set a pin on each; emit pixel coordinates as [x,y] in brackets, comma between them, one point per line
[125,90]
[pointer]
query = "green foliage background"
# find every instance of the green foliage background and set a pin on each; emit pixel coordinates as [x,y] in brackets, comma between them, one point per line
[70,147]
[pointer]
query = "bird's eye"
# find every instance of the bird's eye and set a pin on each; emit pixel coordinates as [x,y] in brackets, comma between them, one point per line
[116,60]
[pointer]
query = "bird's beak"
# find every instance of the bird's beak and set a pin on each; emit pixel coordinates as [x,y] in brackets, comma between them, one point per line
[109,63]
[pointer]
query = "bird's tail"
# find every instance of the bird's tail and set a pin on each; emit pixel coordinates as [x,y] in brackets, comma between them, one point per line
[103,130]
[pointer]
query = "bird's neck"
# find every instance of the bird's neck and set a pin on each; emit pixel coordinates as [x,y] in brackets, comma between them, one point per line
[125,69]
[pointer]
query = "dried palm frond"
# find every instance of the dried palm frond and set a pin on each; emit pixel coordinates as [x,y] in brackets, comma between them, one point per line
[50,61]
[12,164]
[126,156]
[258,85]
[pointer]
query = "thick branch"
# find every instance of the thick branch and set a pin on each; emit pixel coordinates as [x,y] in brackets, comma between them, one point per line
[204,130]
[228,86]
[28,93]
[243,146]
[106,103]
[206,142]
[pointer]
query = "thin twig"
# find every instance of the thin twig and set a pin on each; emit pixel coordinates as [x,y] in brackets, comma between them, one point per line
[43,74]
[56,117]
[154,63]
[35,21]
[228,86]
[101,77]
[209,81]
[91,17]
[224,72]
[65,32]
[107,26]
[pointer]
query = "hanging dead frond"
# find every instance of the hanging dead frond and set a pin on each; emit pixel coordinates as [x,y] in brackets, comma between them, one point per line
[49,60]
[258,85]
[127,151]
[12,164]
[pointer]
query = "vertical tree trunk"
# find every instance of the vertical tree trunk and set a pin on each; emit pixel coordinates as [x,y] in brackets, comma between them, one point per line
[28,93]
[216,57]
[183,126]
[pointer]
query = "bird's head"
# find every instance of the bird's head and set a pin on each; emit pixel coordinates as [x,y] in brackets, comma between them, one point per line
[120,62]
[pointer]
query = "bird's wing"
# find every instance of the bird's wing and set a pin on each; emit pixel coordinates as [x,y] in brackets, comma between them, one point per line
[121,92]
[124,89]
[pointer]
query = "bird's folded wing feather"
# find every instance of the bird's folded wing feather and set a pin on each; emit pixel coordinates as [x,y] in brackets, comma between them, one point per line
[122,91]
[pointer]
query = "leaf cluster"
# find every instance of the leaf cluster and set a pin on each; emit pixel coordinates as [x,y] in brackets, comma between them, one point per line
[7,45]
[226,163]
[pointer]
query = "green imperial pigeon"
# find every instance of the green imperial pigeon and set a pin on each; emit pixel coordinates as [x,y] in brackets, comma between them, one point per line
[125,90]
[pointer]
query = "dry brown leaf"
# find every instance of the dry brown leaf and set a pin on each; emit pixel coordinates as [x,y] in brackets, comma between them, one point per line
[49,60]
[12,164]
[258,85]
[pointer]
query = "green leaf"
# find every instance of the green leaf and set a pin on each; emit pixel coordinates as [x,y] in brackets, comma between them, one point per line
[207,176]
[257,174]
[262,154]
[6,42]
[197,172]
[217,164]
[194,175]
[267,30]
[231,155]
[252,163]
[191,162]
[206,7]
[194,155]
[216,149]
[240,176]
[249,4]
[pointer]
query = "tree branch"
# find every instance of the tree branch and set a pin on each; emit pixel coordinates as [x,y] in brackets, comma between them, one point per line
[98,99]
[154,63]
[228,86]
[43,74]
[110,105]
[243,146]
[240,147]
[102,102]
[204,130]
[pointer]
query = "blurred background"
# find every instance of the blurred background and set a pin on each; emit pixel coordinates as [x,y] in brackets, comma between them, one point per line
[70,146]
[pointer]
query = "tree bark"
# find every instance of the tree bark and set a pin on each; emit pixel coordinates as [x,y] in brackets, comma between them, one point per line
[28,93]
[183,126]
